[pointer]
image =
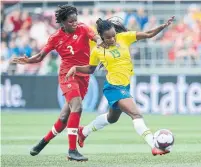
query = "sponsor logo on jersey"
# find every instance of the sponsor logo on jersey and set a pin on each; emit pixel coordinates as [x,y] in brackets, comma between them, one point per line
[123,92]
[69,86]
[75,36]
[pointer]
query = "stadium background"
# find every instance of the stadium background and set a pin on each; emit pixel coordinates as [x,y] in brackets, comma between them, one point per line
[167,82]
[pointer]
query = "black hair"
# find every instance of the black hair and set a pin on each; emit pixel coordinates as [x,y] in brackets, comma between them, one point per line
[104,25]
[63,12]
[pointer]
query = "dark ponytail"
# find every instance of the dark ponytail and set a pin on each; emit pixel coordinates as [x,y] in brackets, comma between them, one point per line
[104,25]
[119,27]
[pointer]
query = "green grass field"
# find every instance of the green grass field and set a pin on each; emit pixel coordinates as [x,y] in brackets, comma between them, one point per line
[117,145]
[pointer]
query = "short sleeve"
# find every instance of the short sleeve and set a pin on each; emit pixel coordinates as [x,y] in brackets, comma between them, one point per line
[49,46]
[90,32]
[94,60]
[129,37]
[92,45]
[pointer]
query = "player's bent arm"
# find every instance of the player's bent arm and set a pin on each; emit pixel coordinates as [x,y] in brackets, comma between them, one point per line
[88,69]
[37,58]
[151,33]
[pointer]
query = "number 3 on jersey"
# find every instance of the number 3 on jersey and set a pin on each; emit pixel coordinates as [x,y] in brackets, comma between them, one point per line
[71,49]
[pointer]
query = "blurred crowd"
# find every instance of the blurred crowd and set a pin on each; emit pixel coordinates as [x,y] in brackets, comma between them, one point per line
[25,33]
[185,36]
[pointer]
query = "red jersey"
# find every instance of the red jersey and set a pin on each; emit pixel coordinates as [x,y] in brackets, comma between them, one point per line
[73,47]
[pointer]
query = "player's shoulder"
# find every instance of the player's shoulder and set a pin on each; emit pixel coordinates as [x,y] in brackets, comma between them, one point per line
[127,36]
[55,35]
[82,25]
[126,33]
[121,34]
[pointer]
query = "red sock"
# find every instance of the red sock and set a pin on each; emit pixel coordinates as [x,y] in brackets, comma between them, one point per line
[57,128]
[73,123]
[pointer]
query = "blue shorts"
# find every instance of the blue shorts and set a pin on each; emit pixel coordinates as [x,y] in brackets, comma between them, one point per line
[114,93]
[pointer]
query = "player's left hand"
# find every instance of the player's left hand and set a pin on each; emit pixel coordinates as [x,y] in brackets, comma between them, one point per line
[71,72]
[169,21]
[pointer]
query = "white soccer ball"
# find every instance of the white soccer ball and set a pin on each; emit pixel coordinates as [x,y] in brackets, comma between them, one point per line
[164,139]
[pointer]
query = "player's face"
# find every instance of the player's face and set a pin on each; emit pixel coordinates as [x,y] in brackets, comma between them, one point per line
[109,37]
[71,23]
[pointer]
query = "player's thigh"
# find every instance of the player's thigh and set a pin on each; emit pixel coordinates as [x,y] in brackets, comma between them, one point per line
[113,115]
[71,92]
[83,85]
[70,88]
[76,102]
[128,106]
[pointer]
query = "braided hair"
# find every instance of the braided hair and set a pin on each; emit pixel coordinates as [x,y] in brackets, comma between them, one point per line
[104,25]
[63,12]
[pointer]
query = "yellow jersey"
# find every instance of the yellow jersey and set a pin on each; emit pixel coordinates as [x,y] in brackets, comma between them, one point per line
[116,59]
[92,45]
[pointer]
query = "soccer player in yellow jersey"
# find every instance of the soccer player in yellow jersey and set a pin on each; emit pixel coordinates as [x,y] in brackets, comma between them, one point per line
[117,61]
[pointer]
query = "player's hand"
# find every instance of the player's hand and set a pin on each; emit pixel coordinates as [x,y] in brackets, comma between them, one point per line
[20,60]
[100,43]
[169,21]
[71,72]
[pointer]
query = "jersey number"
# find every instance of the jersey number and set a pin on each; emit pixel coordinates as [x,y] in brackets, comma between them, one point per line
[115,53]
[71,49]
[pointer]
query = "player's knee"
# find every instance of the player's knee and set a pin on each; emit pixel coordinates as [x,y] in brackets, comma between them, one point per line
[76,104]
[64,117]
[77,108]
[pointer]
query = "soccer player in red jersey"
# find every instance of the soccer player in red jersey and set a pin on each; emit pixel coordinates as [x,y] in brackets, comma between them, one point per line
[71,41]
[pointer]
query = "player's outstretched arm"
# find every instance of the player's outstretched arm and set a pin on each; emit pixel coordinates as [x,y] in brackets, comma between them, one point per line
[25,60]
[88,69]
[154,32]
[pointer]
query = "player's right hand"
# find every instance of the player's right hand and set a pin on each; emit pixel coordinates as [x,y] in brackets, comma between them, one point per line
[20,60]
[71,72]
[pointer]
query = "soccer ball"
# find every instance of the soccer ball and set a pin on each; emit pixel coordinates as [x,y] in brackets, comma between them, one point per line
[164,139]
